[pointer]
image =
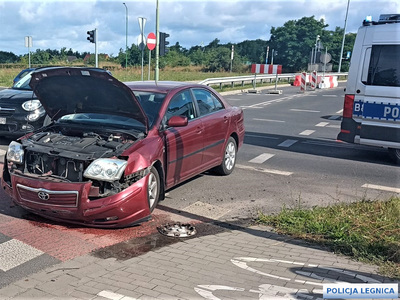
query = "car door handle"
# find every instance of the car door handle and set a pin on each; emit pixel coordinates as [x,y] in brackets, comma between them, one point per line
[199,130]
[225,119]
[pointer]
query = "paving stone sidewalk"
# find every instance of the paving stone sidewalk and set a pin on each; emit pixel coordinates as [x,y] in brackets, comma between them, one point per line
[238,263]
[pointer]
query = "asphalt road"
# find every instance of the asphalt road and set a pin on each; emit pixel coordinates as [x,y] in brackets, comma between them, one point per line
[290,157]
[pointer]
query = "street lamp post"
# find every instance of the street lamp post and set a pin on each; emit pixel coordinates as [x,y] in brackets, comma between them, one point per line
[344,35]
[126,39]
[315,52]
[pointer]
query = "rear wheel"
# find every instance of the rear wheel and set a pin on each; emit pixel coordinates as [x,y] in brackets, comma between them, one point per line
[229,159]
[153,188]
[395,155]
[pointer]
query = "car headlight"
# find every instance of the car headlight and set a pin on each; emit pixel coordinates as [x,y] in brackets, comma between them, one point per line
[31,105]
[105,169]
[36,114]
[15,153]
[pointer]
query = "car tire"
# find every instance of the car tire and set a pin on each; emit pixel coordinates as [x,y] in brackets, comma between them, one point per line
[153,188]
[228,159]
[395,155]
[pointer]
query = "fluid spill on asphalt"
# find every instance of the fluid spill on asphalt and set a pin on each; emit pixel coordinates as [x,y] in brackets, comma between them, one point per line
[141,245]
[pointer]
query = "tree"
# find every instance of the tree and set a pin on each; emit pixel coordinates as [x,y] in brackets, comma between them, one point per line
[294,41]
[7,57]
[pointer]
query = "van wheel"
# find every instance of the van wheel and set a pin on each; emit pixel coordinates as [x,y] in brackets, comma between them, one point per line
[395,155]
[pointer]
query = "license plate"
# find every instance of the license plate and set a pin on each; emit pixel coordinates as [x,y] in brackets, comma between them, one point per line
[2,120]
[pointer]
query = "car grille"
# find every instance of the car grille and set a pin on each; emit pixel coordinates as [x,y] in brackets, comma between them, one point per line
[6,112]
[48,197]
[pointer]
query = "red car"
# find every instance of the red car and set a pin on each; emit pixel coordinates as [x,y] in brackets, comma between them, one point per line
[112,149]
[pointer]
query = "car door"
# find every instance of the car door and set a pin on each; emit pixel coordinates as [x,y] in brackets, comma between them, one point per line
[184,145]
[215,123]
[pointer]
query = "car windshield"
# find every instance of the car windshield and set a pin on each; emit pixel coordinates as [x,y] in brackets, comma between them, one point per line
[23,83]
[103,120]
[151,103]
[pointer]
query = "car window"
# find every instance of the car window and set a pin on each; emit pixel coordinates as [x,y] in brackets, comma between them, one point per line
[384,67]
[206,101]
[151,104]
[23,83]
[181,105]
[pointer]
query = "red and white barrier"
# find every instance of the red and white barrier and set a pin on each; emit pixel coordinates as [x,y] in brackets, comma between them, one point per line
[303,82]
[328,82]
[266,69]
[314,80]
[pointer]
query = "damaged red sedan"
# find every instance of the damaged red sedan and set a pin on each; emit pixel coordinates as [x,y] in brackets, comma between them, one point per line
[112,149]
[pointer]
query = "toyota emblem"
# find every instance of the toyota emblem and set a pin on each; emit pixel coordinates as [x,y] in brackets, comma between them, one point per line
[43,195]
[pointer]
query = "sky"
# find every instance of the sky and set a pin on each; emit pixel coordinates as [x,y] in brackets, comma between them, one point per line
[54,24]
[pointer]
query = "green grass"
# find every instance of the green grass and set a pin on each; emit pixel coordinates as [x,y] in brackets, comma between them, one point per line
[366,230]
[134,74]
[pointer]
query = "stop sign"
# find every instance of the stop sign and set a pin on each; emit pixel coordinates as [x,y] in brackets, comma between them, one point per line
[151,41]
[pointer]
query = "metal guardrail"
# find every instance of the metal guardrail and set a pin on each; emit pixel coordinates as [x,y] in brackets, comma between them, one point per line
[254,78]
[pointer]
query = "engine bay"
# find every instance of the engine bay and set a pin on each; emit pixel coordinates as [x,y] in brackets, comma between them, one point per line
[65,152]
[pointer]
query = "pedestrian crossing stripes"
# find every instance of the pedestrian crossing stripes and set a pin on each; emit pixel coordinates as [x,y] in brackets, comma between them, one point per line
[14,253]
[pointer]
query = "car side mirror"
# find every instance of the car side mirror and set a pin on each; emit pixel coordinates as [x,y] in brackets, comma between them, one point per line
[177,121]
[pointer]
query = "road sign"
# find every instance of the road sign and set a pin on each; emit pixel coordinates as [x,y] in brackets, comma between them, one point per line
[151,41]
[141,42]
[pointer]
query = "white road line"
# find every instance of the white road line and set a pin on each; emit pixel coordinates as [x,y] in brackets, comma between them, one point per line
[305,110]
[268,120]
[269,171]
[333,126]
[14,253]
[262,136]
[330,96]
[307,132]
[381,188]
[114,296]
[322,124]
[340,112]
[287,143]
[232,99]
[261,158]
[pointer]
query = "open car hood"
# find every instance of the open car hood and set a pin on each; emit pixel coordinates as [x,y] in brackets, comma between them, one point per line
[65,91]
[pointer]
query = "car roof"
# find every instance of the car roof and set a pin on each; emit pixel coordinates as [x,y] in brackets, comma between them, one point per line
[160,86]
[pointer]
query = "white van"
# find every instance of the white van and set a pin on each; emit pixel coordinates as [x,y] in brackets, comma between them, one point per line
[371,111]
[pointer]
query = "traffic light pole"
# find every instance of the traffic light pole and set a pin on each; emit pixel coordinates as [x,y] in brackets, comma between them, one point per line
[156,73]
[95,47]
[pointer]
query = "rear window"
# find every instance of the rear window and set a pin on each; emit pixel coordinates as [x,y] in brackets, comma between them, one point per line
[384,66]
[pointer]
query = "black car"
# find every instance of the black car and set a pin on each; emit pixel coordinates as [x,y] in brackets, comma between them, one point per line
[20,110]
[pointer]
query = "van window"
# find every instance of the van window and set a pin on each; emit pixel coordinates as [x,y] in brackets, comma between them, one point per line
[384,67]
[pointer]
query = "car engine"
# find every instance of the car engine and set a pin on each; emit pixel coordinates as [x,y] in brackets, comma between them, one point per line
[66,153]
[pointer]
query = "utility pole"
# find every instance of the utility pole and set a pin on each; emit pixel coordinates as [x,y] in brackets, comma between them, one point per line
[344,36]
[126,38]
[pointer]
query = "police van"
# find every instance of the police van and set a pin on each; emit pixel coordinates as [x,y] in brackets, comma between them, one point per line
[371,111]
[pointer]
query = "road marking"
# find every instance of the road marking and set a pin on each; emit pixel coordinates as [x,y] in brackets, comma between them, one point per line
[232,99]
[340,112]
[330,96]
[14,253]
[114,296]
[268,120]
[305,110]
[261,158]
[261,136]
[334,126]
[322,124]
[381,188]
[307,132]
[269,171]
[287,143]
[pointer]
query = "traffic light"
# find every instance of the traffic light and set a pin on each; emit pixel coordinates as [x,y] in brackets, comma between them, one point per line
[92,36]
[163,43]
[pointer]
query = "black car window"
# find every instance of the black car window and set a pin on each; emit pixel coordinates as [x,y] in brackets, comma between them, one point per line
[181,105]
[151,104]
[384,67]
[206,101]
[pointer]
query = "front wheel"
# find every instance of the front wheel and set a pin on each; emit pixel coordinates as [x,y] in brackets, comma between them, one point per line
[229,158]
[395,155]
[153,188]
